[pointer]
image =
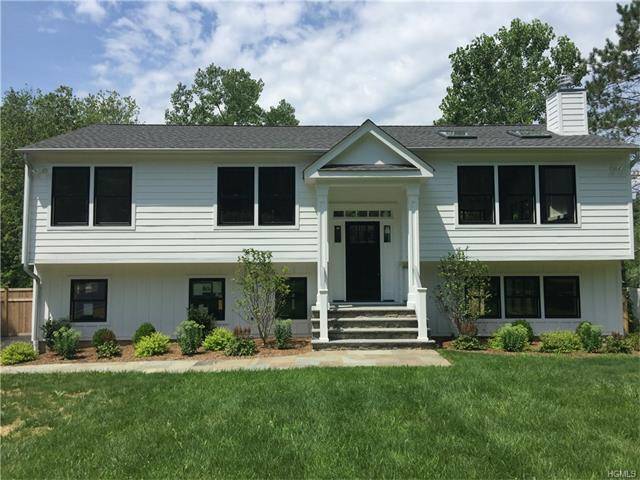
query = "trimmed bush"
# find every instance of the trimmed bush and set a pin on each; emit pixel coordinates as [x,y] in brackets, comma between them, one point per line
[189,335]
[218,339]
[526,325]
[616,343]
[633,339]
[18,352]
[202,317]
[467,342]
[283,334]
[65,342]
[512,338]
[590,336]
[154,344]
[143,330]
[562,341]
[241,347]
[108,349]
[102,336]
[50,327]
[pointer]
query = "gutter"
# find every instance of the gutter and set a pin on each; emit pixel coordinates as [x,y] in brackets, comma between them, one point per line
[29,269]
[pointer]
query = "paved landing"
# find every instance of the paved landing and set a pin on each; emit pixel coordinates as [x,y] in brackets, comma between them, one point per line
[325,358]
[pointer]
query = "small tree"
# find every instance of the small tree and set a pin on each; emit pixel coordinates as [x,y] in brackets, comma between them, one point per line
[463,290]
[263,289]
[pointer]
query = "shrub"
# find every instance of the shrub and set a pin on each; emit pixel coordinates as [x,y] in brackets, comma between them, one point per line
[143,330]
[65,342]
[108,349]
[283,333]
[467,342]
[562,341]
[241,347]
[616,343]
[202,317]
[590,336]
[526,325]
[101,336]
[154,344]
[512,338]
[633,339]
[18,352]
[218,339]
[189,336]
[50,327]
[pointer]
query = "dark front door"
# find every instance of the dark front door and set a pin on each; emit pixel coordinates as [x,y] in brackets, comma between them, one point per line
[363,261]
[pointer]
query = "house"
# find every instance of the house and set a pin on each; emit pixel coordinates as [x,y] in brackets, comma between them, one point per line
[125,224]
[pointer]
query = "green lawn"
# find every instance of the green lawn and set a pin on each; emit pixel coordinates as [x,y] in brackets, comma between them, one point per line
[486,417]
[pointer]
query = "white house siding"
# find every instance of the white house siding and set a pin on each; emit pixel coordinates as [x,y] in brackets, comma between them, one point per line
[604,229]
[600,294]
[151,293]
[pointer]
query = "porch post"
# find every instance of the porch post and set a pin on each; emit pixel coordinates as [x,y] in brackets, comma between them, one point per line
[413,248]
[322,300]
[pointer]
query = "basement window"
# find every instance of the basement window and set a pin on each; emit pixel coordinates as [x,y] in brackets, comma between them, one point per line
[294,304]
[522,297]
[522,133]
[88,301]
[561,297]
[453,134]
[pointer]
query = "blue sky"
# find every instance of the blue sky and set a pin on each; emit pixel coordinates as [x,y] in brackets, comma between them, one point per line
[335,62]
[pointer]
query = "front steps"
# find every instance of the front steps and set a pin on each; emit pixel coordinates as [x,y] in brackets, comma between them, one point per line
[368,327]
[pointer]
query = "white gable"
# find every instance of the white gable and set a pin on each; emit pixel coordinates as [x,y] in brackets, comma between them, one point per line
[368,150]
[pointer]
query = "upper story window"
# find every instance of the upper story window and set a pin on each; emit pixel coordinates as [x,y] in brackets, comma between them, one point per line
[70,196]
[476,203]
[558,194]
[112,196]
[517,185]
[235,195]
[276,195]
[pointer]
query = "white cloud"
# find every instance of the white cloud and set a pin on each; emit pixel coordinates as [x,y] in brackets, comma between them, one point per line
[92,9]
[336,63]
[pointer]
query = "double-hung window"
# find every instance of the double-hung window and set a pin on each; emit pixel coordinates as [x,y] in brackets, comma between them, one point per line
[112,196]
[517,186]
[276,195]
[88,301]
[70,196]
[558,194]
[476,203]
[235,195]
[561,297]
[522,297]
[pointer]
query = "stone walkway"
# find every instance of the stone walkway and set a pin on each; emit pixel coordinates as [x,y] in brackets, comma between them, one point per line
[325,358]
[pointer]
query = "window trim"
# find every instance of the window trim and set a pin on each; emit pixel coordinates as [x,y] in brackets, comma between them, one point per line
[212,276]
[575,196]
[540,298]
[95,197]
[71,279]
[544,294]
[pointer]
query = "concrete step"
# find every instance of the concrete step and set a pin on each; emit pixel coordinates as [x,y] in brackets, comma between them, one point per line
[377,311]
[378,344]
[368,333]
[363,322]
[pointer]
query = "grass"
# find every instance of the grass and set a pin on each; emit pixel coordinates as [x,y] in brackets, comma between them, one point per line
[487,416]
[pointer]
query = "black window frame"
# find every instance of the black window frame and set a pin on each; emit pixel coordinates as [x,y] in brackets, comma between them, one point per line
[224,295]
[73,300]
[291,295]
[98,198]
[507,297]
[494,281]
[504,196]
[222,201]
[265,197]
[461,195]
[81,196]
[544,194]
[548,296]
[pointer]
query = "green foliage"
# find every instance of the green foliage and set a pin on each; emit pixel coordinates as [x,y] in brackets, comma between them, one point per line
[218,339]
[108,349]
[467,342]
[504,78]
[28,116]
[590,336]
[616,343]
[633,339]
[189,336]
[143,330]
[462,290]
[220,96]
[50,327]
[562,341]
[65,342]
[510,337]
[241,347]
[631,268]
[262,289]
[526,325]
[18,352]
[102,336]
[283,333]
[202,317]
[155,343]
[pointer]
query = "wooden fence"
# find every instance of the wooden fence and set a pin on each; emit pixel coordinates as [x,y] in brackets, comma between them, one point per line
[15,311]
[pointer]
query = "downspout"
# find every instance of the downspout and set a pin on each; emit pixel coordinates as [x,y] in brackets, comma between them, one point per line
[29,269]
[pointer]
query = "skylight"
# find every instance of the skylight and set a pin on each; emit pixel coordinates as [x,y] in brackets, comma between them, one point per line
[456,134]
[523,133]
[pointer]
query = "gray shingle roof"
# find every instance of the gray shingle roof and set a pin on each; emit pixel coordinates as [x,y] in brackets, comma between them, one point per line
[316,138]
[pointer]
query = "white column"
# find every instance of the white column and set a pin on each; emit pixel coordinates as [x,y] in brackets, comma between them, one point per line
[322,300]
[413,239]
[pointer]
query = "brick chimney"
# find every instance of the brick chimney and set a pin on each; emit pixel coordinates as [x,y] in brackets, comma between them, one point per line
[567,109]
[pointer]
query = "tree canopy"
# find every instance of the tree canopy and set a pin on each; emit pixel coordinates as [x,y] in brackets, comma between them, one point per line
[28,116]
[505,78]
[221,96]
